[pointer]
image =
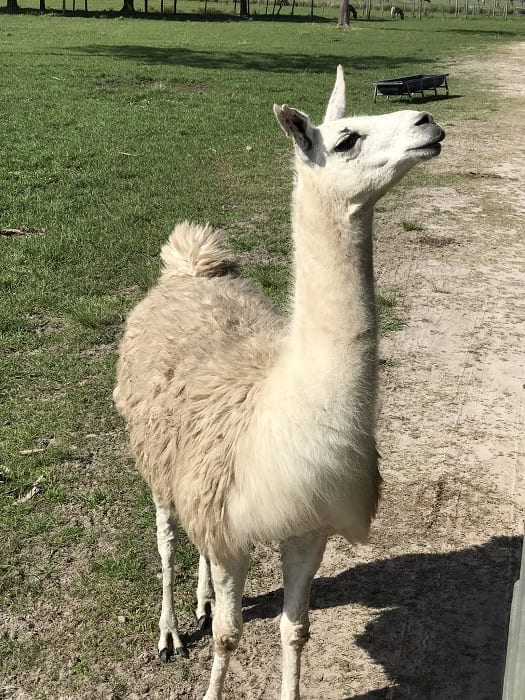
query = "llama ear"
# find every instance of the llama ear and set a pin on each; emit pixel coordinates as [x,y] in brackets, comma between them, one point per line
[297,125]
[337,103]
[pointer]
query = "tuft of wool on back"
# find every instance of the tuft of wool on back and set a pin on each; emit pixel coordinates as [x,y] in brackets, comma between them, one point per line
[193,250]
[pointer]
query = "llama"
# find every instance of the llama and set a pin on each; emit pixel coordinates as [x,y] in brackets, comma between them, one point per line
[396,12]
[249,426]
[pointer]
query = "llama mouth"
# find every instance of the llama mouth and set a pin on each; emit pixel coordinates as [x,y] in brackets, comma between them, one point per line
[432,148]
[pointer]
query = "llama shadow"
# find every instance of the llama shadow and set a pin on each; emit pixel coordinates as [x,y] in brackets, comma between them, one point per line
[441,629]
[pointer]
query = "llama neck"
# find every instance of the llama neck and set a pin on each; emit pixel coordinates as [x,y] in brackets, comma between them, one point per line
[315,417]
[334,302]
[322,390]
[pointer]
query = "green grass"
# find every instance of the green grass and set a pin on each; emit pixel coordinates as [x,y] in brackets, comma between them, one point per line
[411,226]
[389,311]
[113,130]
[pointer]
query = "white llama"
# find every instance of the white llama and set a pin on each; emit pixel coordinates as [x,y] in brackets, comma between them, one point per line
[249,426]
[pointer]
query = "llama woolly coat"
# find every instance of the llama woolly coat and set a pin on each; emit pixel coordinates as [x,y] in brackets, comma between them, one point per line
[198,384]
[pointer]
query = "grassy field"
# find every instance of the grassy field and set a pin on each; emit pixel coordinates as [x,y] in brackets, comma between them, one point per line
[112,130]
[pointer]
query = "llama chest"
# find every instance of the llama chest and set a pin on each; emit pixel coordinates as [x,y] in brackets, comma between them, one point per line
[307,479]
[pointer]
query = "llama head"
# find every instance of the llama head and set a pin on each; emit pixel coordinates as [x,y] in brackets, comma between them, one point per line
[358,159]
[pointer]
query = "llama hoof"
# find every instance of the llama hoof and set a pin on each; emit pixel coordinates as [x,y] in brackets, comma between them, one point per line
[165,655]
[204,623]
[182,651]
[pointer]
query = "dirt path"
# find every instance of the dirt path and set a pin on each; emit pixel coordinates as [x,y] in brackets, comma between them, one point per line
[421,612]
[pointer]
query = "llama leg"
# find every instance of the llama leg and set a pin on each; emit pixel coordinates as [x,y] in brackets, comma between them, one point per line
[205,594]
[301,558]
[228,582]
[167,535]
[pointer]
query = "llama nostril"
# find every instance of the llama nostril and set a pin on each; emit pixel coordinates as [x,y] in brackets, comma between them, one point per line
[425,118]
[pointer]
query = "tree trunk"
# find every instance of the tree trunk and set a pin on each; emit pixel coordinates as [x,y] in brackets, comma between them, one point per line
[243,9]
[12,6]
[128,7]
[344,13]
[42,6]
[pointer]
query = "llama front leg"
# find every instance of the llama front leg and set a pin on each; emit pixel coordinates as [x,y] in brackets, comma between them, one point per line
[167,536]
[228,582]
[205,594]
[301,558]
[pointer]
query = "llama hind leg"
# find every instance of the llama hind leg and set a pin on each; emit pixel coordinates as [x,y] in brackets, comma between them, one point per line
[301,558]
[167,536]
[228,581]
[205,594]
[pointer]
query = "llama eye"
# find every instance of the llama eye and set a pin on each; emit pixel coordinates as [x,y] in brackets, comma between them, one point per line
[347,143]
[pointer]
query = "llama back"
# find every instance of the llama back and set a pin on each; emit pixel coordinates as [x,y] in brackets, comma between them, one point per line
[198,303]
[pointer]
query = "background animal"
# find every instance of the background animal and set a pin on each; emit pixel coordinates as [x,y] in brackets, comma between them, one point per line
[251,426]
[397,12]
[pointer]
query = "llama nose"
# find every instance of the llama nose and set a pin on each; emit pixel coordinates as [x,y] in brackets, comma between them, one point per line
[424,118]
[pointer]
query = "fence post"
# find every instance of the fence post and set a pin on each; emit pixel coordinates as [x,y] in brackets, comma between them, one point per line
[514,681]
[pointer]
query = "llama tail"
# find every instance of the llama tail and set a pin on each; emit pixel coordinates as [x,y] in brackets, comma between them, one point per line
[196,251]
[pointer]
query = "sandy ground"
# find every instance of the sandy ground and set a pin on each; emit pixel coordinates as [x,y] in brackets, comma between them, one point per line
[422,611]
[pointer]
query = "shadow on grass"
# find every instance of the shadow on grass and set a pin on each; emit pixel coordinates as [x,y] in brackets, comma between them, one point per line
[502,32]
[449,30]
[441,627]
[236,60]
